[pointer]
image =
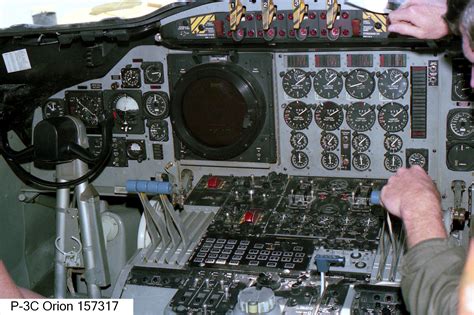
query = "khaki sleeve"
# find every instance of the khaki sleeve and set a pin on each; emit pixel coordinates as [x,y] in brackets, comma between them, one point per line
[431,273]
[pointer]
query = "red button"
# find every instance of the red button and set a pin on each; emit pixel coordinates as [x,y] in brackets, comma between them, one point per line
[213,182]
[356,27]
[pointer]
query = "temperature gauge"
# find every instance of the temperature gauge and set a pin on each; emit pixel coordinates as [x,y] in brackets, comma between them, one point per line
[361,161]
[330,161]
[392,162]
[299,159]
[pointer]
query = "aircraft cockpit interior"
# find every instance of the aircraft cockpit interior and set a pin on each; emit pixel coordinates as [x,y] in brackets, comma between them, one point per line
[226,157]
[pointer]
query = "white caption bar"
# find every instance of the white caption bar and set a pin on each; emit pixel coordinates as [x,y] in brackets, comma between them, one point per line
[66,306]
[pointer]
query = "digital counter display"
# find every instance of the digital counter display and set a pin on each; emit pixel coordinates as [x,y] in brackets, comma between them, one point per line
[327,61]
[297,61]
[360,61]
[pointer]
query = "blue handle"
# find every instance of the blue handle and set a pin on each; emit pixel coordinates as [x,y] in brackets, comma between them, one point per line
[149,187]
[375,197]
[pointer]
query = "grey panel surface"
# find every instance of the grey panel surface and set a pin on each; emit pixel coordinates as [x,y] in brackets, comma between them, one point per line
[148,300]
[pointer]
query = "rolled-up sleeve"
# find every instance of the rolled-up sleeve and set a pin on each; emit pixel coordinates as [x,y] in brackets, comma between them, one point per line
[431,273]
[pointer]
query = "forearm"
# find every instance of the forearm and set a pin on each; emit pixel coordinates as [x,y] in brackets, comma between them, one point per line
[423,225]
[430,277]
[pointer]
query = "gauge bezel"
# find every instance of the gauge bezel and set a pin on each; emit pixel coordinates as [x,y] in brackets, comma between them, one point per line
[357,166]
[331,92]
[287,86]
[451,133]
[124,72]
[290,119]
[146,66]
[297,146]
[386,160]
[356,121]
[147,111]
[330,147]
[367,87]
[99,111]
[322,109]
[59,102]
[162,124]
[325,165]
[389,126]
[356,145]
[385,81]
[389,149]
[251,92]
[110,99]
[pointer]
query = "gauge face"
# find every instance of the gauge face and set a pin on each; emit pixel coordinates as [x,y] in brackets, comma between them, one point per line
[298,115]
[299,140]
[393,117]
[296,83]
[361,142]
[131,78]
[136,150]
[126,113]
[361,161]
[393,84]
[328,83]
[416,158]
[86,106]
[330,161]
[329,141]
[324,219]
[156,104]
[347,220]
[462,124]
[338,184]
[462,90]
[153,72]
[299,159]
[360,116]
[360,83]
[392,162]
[393,143]
[369,221]
[158,130]
[54,108]
[460,157]
[329,116]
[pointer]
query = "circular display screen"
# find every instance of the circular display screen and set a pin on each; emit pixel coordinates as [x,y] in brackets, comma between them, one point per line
[214,112]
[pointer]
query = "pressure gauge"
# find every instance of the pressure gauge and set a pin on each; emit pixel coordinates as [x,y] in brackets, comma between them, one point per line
[296,83]
[299,159]
[361,142]
[298,115]
[329,116]
[329,141]
[393,84]
[393,143]
[329,160]
[360,116]
[298,140]
[393,117]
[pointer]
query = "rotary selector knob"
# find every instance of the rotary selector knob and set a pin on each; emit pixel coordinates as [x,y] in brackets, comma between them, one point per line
[356,255]
[255,301]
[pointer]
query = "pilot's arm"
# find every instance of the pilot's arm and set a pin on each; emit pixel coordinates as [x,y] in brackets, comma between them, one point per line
[432,267]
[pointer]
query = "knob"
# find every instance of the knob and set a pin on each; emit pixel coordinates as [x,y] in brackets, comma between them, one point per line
[255,301]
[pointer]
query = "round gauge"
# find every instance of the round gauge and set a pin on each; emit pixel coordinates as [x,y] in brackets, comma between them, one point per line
[297,115]
[329,141]
[347,220]
[328,83]
[460,157]
[462,90]
[392,162]
[361,142]
[329,208]
[296,83]
[136,150]
[329,116]
[369,221]
[126,112]
[158,130]
[462,124]
[361,161]
[156,104]
[86,106]
[299,140]
[360,83]
[416,158]
[53,108]
[324,219]
[393,117]
[330,160]
[393,84]
[360,116]
[131,78]
[153,73]
[393,143]
[299,159]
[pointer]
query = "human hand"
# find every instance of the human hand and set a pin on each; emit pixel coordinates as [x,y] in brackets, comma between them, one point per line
[411,195]
[466,288]
[422,19]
